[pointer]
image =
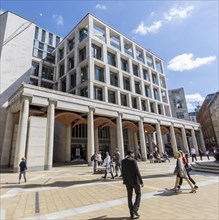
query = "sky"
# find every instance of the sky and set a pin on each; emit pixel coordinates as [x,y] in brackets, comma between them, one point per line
[184,34]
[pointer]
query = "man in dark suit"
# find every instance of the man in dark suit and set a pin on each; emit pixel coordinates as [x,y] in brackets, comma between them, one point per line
[132,179]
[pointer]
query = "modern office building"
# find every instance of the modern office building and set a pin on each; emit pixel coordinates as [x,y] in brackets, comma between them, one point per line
[192,116]
[204,118]
[178,104]
[106,92]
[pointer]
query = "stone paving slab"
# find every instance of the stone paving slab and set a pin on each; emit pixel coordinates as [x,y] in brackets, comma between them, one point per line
[73,192]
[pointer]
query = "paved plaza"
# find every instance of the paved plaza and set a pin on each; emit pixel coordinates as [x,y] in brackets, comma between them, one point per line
[73,192]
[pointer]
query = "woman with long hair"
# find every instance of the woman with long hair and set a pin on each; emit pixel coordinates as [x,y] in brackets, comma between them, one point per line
[181,172]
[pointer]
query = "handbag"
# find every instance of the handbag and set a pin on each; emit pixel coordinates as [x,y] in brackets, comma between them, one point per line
[188,167]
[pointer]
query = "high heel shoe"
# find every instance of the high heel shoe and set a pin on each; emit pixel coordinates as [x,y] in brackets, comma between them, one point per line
[193,191]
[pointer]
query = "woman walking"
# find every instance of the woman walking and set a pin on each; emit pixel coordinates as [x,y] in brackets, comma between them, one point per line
[181,172]
[108,164]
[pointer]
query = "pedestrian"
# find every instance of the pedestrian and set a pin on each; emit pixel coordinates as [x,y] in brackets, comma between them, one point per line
[117,159]
[193,153]
[132,179]
[94,158]
[207,154]
[186,165]
[166,156]
[99,159]
[108,164]
[200,153]
[181,172]
[23,168]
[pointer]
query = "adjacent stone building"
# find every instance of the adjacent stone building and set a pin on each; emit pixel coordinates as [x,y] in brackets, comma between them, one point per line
[105,92]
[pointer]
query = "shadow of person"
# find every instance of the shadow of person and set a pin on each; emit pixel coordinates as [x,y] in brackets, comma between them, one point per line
[108,217]
[167,192]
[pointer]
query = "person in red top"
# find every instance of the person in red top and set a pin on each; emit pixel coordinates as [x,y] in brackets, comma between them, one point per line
[186,165]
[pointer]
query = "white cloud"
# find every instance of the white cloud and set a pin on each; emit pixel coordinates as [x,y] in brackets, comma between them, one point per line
[58,19]
[187,62]
[176,13]
[172,14]
[193,100]
[101,7]
[143,30]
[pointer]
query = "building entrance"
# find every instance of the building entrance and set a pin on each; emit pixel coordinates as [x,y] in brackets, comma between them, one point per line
[78,152]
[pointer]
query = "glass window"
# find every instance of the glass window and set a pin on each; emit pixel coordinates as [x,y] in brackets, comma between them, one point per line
[43,37]
[84,74]
[98,93]
[152,107]
[71,62]
[82,54]
[83,34]
[139,55]
[61,70]
[123,100]
[73,80]
[71,44]
[162,82]
[159,109]
[124,65]
[143,105]
[147,91]
[137,88]
[50,38]
[47,73]
[41,45]
[159,66]
[115,41]
[61,53]
[150,61]
[126,83]
[96,52]
[146,75]
[180,115]
[84,92]
[50,49]
[36,33]
[99,73]
[154,79]
[35,69]
[63,85]
[40,54]
[156,94]
[33,82]
[46,85]
[99,32]
[111,59]
[112,97]
[114,79]
[134,103]
[135,70]
[57,40]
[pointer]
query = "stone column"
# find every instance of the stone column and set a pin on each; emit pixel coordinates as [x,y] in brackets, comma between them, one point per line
[90,135]
[49,136]
[22,134]
[150,142]
[154,138]
[202,141]
[184,139]
[194,141]
[68,143]
[173,139]
[159,139]
[7,142]
[120,135]
[136,142]
[142,140]
[96,139]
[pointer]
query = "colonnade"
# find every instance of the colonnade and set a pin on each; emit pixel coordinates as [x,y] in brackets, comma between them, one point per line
[92,136]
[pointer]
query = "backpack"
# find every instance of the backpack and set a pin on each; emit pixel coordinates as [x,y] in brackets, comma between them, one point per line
[92,157]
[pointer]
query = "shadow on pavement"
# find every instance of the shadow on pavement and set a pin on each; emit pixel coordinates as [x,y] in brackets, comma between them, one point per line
[169,192]
[113,218]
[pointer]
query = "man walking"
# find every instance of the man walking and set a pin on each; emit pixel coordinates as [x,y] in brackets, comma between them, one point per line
[132,179]
[117,160]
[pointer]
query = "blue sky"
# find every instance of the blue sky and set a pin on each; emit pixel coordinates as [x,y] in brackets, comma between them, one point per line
[182,33]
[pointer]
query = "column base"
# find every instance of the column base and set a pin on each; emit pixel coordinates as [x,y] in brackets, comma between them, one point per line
[89,163]
[47,167]
[16,169]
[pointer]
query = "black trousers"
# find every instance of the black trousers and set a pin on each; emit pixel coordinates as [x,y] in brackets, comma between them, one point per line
[190,178]
[194,157]
[133,207]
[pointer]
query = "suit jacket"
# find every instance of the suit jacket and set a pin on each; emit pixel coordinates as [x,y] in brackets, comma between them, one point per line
[130,172]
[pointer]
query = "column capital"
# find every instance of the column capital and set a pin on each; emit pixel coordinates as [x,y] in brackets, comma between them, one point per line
[53,101]
[119,113]
[91,108]
[26,96]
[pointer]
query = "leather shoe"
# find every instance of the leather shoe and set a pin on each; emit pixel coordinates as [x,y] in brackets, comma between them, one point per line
[133,216]
[136,213]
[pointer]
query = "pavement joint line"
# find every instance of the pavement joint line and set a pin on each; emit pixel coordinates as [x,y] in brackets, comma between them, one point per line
[37,205]
[102,205]
[47,181]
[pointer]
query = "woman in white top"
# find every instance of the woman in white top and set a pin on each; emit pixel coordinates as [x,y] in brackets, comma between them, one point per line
[107,163]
